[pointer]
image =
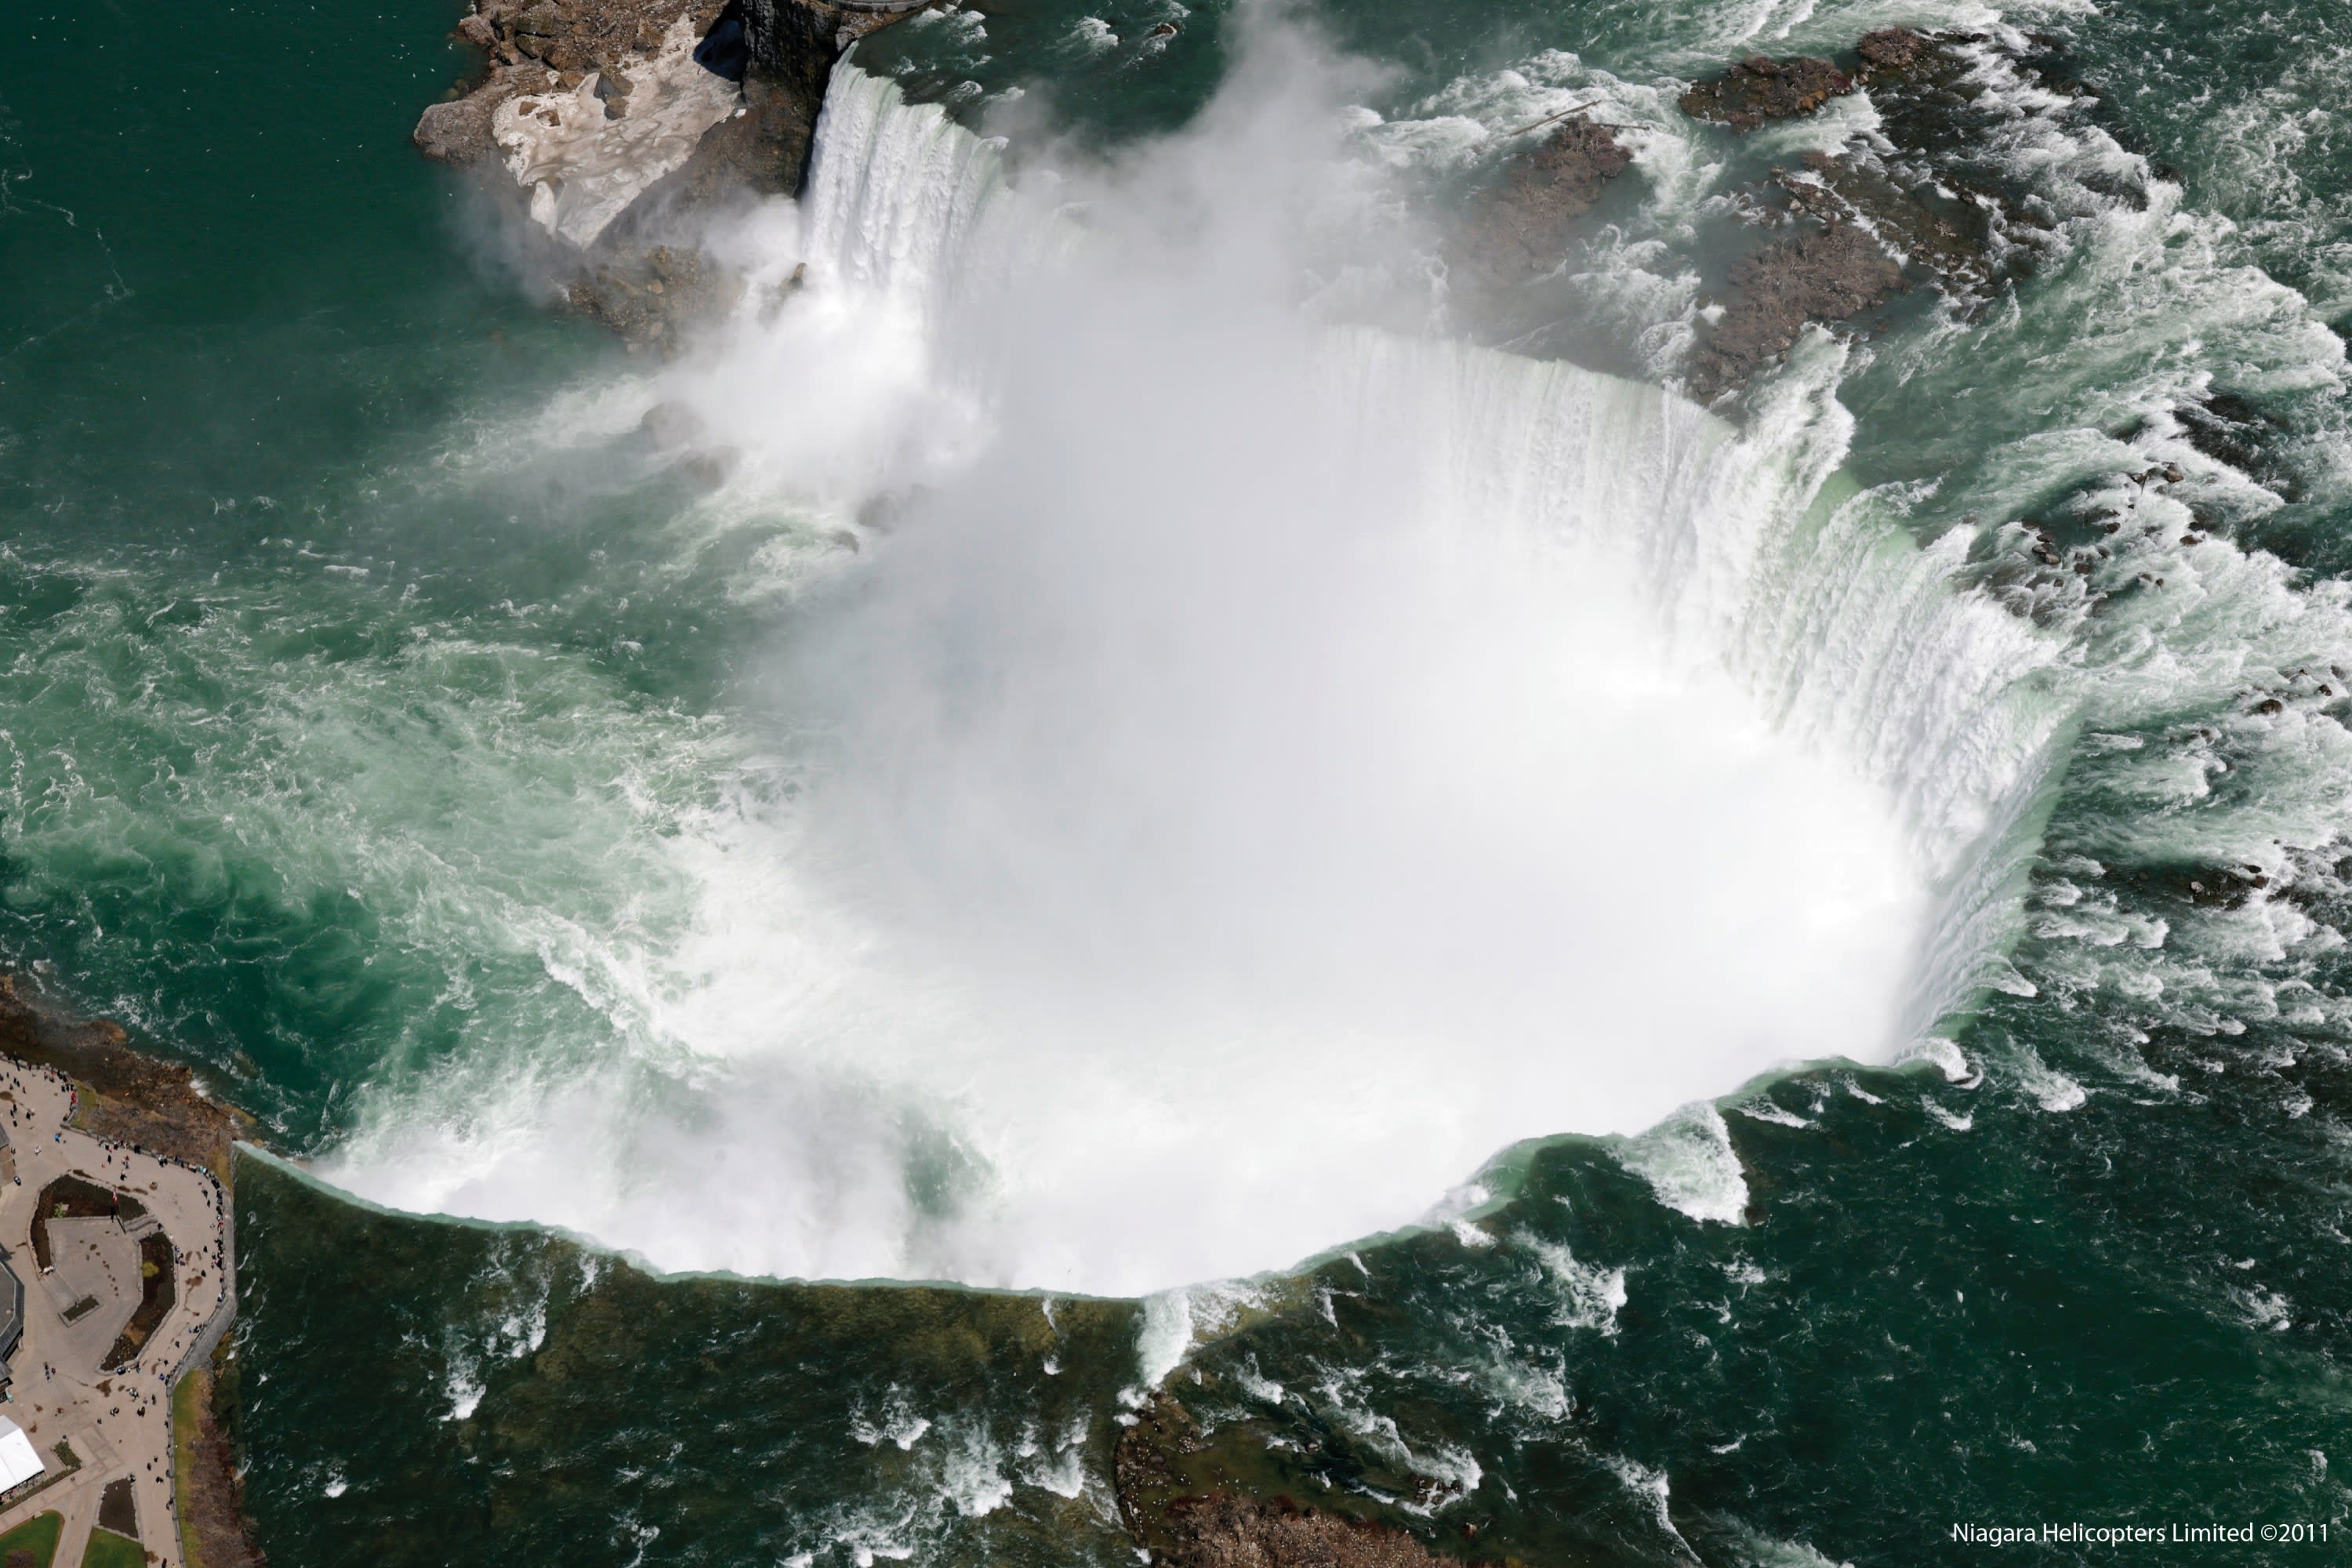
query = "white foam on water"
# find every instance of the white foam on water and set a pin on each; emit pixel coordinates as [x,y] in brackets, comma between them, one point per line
[1590,1295]
[1759,1551]
[1690,1164]
[463,1387]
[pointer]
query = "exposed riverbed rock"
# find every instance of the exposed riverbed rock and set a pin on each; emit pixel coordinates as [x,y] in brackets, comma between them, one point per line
[1525,223]
[1945,239]
[1831,274]
[1760,89]
[652,296]
[1890,51]
[1227,1532]
[1928,191]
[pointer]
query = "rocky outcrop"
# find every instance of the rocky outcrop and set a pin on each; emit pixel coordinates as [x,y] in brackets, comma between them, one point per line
[1829,274]
[623,124]
[1917,200]
[1889,51]
[1524,225]
[128,1095]
[548,46]
[624,91]
[1227,1532]
[587,151]
[649,296]
[1760,89]
[586,103]
[458,131]
[1946,241]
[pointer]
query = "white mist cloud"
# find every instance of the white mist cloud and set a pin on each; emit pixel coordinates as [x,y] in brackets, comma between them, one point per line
[1252,784]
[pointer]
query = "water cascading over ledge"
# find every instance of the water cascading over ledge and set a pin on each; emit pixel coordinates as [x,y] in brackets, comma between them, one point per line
[1266,769]
[1754,546]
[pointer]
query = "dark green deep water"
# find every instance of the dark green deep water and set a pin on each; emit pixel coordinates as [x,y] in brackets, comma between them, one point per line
[292,725]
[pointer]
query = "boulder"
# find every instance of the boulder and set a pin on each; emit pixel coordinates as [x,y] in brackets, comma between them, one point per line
[1760,89]
[545,20]
[1890,49]
[458,132]
[1524,223]
[1829,274]
[670,423]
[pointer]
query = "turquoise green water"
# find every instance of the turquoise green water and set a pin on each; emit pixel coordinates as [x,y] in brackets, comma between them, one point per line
[351,723]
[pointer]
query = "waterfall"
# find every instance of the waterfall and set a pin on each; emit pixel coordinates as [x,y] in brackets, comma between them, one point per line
[1754,547]
[1267,766]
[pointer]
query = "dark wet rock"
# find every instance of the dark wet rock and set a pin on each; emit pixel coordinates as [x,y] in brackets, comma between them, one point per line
[612,89]
[784,35]
[459,131]
[1946,241]
[709,469]
[881,513]
[2232,431]
[670,423]
[1890,51]
[1760,89]
[1831,274]
[1524,225]
[652,297]
[726,49]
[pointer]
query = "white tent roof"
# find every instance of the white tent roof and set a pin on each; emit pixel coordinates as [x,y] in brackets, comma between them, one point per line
[18,1463]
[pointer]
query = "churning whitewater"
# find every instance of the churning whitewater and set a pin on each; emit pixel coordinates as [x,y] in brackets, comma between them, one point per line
[1260,759]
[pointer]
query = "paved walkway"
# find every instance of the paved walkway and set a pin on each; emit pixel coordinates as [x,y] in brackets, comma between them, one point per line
[118,1424]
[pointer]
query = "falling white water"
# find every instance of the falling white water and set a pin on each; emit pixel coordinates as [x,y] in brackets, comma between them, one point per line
[1269,767]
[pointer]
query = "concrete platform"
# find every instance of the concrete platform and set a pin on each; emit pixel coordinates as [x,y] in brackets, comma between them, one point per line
[117,1424]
